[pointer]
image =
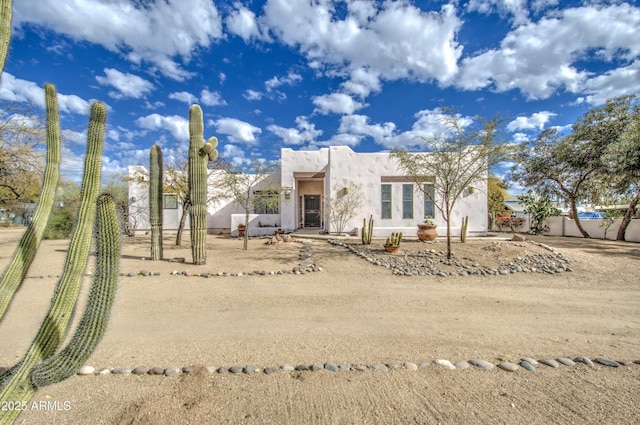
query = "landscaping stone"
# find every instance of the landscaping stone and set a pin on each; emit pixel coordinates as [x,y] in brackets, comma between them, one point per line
[331,367]
[359,367]
[84,370]
[606,362]
[528,366]
[481,364]
[423,365]
[302,367]
[141,370]
[270,370]
[410,366]
[286,367]
[210,369]
[172,371]
[394,366]
[222,370]
[550,362]
[565,361]
[583,359]
[121,371]
[531,361]
[625,362]
[316,367]
[104,371]
[250,369]
[380,367]
[344,366]
[187,370]
[236,369]
[508,366]
[445,363]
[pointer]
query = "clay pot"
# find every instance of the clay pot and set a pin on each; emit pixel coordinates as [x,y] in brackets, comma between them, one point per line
[427,232]
[391,248]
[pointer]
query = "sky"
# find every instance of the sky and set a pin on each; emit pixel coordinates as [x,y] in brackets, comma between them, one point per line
[306,74]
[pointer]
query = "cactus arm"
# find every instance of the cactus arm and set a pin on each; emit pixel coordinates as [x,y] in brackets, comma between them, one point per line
[155,201]
[15,272]
[5,31]
[94,321]
[200,153]
[16,384]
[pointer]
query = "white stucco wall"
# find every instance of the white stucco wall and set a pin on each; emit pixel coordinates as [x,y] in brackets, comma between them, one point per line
[367,169]
[340,166]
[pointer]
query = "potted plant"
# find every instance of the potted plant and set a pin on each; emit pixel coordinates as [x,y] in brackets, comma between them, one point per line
[427,230]
[393,242]
[241,229]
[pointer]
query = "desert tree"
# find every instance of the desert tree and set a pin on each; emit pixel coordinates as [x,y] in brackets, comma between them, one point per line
[570,166]
[496,195]
[344,203]
[455,161]
[251,188]
[22,136]
[622,164]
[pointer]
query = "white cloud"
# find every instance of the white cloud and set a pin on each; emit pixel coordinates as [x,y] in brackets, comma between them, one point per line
[536,121]
[154,32]
[17,90]
[515,8]
[252,95]
[617,82]
[398,41]
[128,85]
[176,125]
[337,103]
[184,96]
[238,131]
[540,58]
[363,81]
[291,79]
[235,155]
[211,98]
[242,22]
[304,133]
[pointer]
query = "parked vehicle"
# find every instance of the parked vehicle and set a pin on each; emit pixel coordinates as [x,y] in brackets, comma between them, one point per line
[590,215]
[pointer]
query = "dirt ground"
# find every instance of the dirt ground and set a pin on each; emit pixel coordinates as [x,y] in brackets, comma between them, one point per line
[350,312]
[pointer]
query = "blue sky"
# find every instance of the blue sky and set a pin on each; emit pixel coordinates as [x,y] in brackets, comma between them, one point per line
[306,74]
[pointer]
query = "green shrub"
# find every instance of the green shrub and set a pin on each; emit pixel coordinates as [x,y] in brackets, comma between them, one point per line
[60,224]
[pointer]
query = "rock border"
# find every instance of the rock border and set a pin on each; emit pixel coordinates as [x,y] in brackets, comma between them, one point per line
[551,263]
[528,364]
[306,265]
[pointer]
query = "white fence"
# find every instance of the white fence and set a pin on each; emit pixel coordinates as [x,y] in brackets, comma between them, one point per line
[564,226]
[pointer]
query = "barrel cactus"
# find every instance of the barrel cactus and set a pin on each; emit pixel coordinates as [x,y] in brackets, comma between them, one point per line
[41,365]
[155,201]
[200,153]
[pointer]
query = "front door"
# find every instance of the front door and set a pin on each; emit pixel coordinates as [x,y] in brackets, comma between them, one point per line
[311,210]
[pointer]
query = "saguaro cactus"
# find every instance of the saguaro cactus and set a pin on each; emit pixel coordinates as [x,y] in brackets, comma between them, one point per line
[200,153]
[25,252]
[5,31]
[367,231]
[38,367]
[155,201]
[463,229]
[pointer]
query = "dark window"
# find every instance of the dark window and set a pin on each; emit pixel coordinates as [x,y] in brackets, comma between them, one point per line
[429,196]
[266,202]
[386,201]
[170,201]
[407,201]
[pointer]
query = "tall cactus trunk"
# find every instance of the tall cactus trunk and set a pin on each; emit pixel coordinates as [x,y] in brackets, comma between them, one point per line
[17,269]
[155,201]
[200,153]
[18,384]
[5,31]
